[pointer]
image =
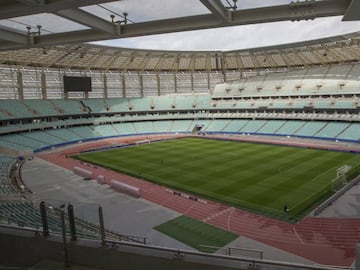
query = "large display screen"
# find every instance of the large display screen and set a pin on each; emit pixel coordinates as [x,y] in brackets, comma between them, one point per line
[77,84]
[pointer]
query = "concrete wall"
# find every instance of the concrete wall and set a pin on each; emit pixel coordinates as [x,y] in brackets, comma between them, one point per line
[23,249]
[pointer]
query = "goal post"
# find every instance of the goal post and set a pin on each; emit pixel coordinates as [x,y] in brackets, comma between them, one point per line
[343,170]
[341,179]
[337,183]
[146,141]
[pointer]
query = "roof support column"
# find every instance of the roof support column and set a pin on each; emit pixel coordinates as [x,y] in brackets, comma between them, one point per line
[105,94]
[175,83]
[65,95]
[192,82]
[141,79]
[123,85]
[208,81]
[43,85]
[223,67]
[158,84]
[20,85]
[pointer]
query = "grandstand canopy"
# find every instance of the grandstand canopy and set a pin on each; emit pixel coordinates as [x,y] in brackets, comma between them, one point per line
[335,50]
[43,23]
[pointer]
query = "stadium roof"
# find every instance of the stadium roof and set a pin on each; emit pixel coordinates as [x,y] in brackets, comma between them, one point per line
[44,23]
[334,50]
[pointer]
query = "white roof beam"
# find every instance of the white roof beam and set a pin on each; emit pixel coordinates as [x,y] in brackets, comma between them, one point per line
[31,2]
[85,18]
[293,12]
[353,11]
[46,6]
[217,8]
[241,17]
[9,35]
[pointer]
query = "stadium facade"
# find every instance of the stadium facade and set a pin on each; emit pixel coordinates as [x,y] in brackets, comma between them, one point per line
[307,90]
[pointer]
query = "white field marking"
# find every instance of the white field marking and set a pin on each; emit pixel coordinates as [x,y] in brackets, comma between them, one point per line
[297,236]
[306,198]
[229,217]
[217,214]
[191,207]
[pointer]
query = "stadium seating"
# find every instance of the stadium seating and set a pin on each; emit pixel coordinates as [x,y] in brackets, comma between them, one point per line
[24,214]
[12,108]
[6,185]
[141,104]
[314,81]
[12,145]
[105,130]
[125,128]
[68,107]
[84,132]
[253,126]
[96,105]
[332,130]
[290,127]
[64,134]
[235,125]
[217,125]
[143,127]
[271,126]
[182,126]
[9,128]
[164,103]
[43,137]
[18,141]
[317,102]
[352,132]
[118,104]
[310,129]
[162,126]
[41,107]
[185,102]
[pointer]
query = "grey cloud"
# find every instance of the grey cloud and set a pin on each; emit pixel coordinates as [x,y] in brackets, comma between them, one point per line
[239,37]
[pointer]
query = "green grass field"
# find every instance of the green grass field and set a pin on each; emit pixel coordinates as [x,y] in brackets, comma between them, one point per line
[258,177]
[196,234]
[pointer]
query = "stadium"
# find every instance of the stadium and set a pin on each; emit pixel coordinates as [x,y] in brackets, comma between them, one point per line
[114,157]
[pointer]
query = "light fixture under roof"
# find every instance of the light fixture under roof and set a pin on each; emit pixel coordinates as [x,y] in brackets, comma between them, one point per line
[233,6]
[34,33]
[124,21]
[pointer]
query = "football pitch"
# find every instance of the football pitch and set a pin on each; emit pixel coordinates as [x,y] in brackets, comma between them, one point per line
[258,177]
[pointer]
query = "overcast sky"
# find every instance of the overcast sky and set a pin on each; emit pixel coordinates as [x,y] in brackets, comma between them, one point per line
[229,38]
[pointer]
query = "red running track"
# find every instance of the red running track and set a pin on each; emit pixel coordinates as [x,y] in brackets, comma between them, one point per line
[329,241]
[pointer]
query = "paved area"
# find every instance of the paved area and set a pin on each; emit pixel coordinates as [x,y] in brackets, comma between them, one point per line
[122,213]
[347,205]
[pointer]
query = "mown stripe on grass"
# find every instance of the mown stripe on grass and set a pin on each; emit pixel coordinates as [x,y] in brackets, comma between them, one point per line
[195,233]
[258,177]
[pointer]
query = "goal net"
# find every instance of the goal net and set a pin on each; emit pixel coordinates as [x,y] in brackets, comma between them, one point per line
[341,179]
[137,143]
[342,170]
